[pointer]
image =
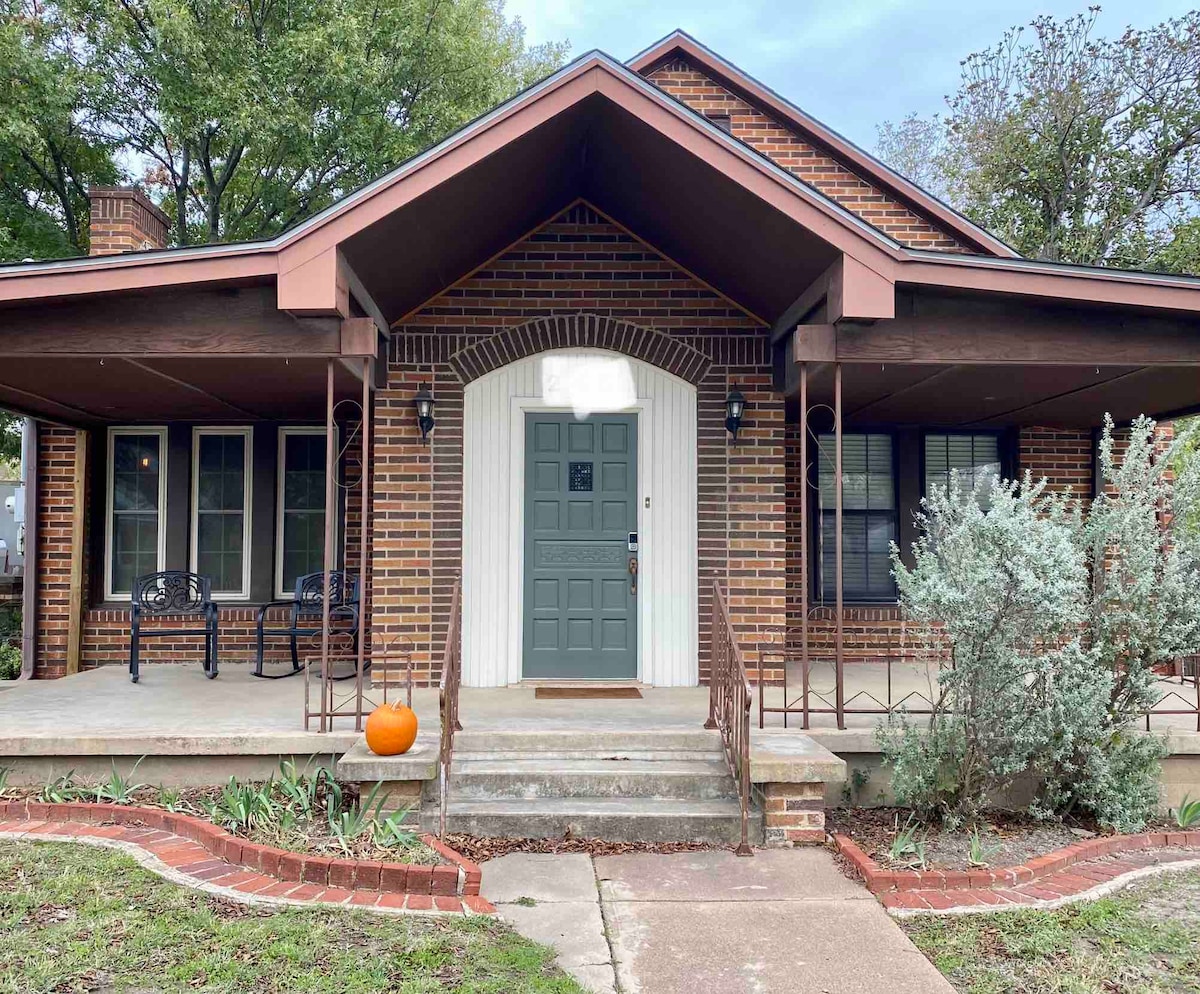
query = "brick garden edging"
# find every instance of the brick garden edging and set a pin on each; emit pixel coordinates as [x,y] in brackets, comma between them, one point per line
[1050,880]
[459,879]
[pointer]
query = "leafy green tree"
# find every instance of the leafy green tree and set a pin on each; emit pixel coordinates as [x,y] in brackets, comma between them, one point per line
[49,151]
[1071,147]
[10,437]
[250,115]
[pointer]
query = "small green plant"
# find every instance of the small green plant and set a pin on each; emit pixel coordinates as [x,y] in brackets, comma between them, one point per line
[242,806]
[173,800]
[61,790]
[1188,812]
[525,902]
[906,849]
[982,853]
[356,819]
[392,832]
[5,773]
[853,787]
[119,789]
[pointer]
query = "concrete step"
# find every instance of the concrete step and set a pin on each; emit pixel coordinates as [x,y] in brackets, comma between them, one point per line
[487,777]
[616,819]
[577,739]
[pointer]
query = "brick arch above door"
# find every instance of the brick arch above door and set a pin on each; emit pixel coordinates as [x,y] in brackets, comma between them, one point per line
[580,330]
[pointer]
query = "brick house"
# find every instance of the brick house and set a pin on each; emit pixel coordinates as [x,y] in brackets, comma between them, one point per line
[582,279]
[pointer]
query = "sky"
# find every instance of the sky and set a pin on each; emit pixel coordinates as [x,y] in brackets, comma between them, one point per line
[851,64]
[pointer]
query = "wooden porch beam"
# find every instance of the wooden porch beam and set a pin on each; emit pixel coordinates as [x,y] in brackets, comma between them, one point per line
[847,290]
[1016,335]
[892,395]
[76,413]
[184,323]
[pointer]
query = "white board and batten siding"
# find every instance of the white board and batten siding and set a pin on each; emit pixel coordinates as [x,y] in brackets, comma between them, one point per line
[493,512]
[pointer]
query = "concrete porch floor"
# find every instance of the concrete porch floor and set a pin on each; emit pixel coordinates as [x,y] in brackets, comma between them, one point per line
[242,725]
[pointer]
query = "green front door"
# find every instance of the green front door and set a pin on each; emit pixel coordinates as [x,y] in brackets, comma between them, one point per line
[580,509]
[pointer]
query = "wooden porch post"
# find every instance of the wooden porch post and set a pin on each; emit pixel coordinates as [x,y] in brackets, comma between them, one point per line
[364,487]
[803,552]
[837,545]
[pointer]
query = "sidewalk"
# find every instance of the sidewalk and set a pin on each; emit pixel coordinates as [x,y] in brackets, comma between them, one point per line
[783,921]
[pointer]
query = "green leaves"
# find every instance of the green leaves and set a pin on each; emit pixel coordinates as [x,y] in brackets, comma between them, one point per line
[1071,147]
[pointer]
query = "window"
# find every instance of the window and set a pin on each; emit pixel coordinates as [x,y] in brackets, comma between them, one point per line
[134,536]
[976,457]
[221,474]
[300,543]
[868,516]
[722,121]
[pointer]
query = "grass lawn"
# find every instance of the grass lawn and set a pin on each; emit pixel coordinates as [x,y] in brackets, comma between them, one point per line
[76,918]
[1142,940]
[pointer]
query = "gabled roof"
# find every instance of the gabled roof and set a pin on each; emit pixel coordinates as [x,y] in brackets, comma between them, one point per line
[680,43]
[764,235]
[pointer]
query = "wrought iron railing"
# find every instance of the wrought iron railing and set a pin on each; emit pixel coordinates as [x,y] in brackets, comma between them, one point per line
[799,677]
[729,697]
[448,702]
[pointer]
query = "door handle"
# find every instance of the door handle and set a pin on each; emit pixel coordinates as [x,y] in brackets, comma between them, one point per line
[633,566]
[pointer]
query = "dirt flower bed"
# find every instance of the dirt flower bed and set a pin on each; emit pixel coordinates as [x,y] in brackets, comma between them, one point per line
[1005,838]
[297,810]
[480,850]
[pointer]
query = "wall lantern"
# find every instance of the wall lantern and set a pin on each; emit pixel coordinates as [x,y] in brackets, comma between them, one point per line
[424,404]
[735,406]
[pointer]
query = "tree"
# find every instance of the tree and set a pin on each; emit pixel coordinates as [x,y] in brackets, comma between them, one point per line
[1075,148]
[253,114]
[49,151]
[10,437]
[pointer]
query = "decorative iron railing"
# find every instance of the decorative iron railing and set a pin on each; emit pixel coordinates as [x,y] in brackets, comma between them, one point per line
[799,678]
[729,697]
[448,702]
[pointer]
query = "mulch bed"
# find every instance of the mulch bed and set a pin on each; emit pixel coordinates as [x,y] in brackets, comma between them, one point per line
[1018,837]
[480,850]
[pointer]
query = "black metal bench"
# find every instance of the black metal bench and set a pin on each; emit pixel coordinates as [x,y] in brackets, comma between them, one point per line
[304,615]
[173,592]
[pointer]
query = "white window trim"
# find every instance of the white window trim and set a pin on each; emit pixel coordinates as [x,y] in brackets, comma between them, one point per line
[161,432]
[247,432]
[281,467]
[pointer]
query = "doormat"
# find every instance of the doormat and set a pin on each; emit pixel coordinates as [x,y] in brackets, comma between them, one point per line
[571,693]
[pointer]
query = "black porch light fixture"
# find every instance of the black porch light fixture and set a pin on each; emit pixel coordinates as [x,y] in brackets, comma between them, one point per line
[423,402]
[735,407]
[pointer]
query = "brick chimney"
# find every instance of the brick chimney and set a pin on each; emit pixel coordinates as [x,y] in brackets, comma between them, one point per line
[123,219]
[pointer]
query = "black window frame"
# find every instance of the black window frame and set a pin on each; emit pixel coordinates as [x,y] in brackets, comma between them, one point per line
[1005,448]
[849,595]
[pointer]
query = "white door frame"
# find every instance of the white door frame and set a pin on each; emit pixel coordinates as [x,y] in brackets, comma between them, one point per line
[493,532]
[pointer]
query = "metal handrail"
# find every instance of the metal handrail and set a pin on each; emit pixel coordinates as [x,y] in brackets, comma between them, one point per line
[448,702]
[729,699]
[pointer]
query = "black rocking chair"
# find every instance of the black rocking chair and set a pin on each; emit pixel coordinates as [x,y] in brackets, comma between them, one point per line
[304,616]
[173,592]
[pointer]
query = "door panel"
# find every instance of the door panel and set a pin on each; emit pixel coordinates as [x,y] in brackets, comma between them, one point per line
[580,506]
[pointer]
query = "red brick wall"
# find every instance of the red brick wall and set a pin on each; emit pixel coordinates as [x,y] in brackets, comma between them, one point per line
[814,165]
[578,264]
[1062,455]
[56,498]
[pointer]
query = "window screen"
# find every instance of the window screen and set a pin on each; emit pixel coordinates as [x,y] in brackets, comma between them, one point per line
[302,508]
[221,510]
[975,457]
[868,516]
[135,508]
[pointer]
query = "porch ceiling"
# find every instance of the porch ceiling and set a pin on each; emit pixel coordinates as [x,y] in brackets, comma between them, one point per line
[90,390]
[596,150]
[997,396]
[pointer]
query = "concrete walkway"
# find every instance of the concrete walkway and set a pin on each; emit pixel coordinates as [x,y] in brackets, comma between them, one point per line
[784,921]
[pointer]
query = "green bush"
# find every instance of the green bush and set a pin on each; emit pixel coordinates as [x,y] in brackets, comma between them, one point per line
[10,661]
[1054,623]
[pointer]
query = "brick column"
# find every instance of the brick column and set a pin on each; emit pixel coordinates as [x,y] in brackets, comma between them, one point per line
[793,813]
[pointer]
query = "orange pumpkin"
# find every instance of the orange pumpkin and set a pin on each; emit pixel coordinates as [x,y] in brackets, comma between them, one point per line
[391,729]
